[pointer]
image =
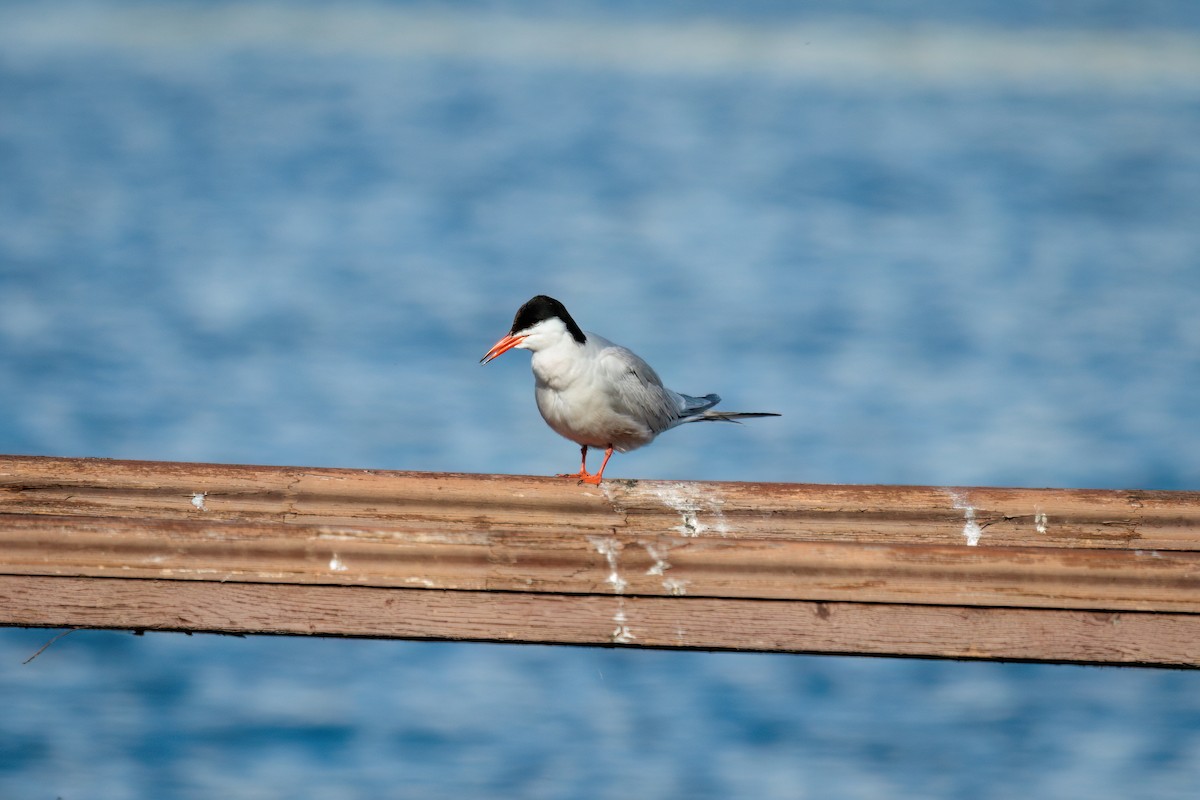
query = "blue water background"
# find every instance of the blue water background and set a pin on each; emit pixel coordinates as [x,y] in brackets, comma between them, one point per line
[265,244]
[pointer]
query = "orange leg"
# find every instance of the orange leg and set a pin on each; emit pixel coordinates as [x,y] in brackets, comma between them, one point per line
[583,475]
[595,479]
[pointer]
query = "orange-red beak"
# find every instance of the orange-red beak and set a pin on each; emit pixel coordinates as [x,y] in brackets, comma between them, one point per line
[501,347]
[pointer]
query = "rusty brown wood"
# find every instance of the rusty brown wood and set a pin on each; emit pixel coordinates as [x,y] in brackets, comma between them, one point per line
[879,514]
[904,556]
[1083,637]
[639,563]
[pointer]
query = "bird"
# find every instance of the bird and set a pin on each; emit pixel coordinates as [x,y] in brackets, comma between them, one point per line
[596,393]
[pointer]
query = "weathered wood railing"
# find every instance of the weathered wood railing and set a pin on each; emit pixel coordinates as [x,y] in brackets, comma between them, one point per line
[1049,575]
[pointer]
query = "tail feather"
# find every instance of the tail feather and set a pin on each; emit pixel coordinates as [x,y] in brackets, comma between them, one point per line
[690,406]
[729,416]
[697,409]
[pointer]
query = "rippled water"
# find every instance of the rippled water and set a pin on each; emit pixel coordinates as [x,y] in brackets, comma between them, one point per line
[956,252]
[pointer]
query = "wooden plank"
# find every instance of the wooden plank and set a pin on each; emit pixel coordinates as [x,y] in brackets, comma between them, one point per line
[1132,519]
[685,623]
[663,563]
[958,572]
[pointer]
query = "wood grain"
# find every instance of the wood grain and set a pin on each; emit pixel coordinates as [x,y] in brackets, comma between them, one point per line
[683,623]
[735,565]
[634,563]
[1132,519]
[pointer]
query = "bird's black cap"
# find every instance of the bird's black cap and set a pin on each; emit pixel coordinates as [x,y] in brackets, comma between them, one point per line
[542,308]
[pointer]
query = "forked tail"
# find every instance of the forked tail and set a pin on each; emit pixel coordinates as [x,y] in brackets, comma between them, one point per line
[729,416]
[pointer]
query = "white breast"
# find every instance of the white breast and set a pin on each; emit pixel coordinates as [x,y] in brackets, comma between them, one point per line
[599,394]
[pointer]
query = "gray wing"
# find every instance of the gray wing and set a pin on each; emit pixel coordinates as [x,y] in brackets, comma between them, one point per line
[635,390]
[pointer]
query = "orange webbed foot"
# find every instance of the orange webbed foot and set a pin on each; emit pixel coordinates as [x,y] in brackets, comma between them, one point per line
[583,476]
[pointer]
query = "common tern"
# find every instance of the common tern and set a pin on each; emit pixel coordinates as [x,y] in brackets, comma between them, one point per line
[596,393]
